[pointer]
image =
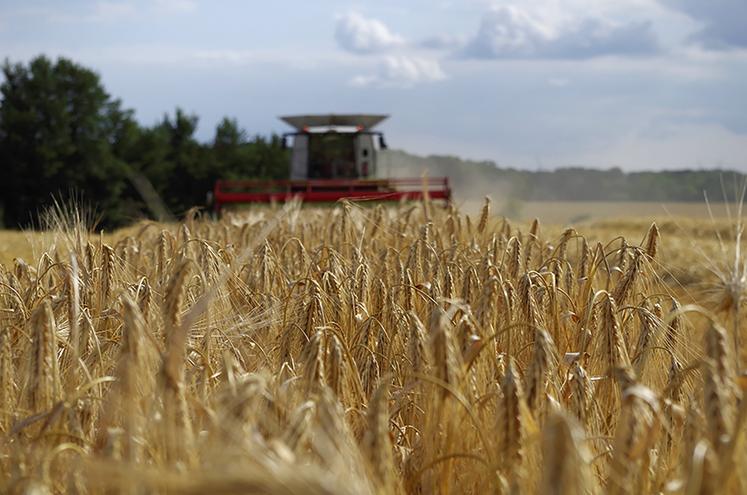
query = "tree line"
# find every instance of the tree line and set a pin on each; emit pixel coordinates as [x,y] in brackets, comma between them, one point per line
[479,178]
[63,136]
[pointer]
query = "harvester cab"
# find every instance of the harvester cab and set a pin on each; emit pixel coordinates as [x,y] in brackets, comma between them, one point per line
[334,146]
[333,157]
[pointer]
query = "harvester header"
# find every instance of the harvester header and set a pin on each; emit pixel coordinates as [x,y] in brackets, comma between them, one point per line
[333,157]
[360,121]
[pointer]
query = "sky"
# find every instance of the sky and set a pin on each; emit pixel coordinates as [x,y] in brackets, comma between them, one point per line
[535,84]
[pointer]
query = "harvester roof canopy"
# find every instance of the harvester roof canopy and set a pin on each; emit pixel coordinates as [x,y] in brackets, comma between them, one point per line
[301,122]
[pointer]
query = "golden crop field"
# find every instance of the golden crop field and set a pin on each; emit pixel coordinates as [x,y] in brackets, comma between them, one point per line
[410,349]
[584,212]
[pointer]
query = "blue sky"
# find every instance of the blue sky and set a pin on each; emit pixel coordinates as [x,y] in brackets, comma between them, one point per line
[639,84]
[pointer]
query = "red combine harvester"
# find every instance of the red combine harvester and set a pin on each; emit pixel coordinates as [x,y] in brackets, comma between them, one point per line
[333,157]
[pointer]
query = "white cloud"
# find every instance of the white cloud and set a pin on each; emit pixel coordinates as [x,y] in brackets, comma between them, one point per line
[362,35]
[399,63]
[402,71]
[510,31]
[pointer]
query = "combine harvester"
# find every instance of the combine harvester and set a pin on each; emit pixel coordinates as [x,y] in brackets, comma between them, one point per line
[333,157]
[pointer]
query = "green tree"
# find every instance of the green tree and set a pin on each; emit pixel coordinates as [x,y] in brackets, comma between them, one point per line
[187,163]
[237,157]
[57,126]
[230,151]
[271,158]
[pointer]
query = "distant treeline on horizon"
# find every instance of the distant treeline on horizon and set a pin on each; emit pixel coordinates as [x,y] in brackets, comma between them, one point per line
[62,135]
[479,178]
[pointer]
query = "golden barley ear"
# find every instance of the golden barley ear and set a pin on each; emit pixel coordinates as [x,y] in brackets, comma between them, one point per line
[635,434]
[125,408]
[484,216]
[377,446]
[444,350]
[511,417]
[720,392]
[7,380]
[652,241]
[566,460]
[542,366]
[178,429]
[107,276]
[43,387]
[582,393]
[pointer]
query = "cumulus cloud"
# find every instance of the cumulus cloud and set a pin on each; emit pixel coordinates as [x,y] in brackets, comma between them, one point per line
[723,22]
[402,71]
[511,32]
[362,35]
[398,66]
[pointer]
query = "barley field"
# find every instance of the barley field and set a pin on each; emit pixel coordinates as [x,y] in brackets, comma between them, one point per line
[411,349]
[585,212]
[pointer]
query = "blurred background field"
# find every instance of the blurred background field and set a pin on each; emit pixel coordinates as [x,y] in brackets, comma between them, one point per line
[580,212]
